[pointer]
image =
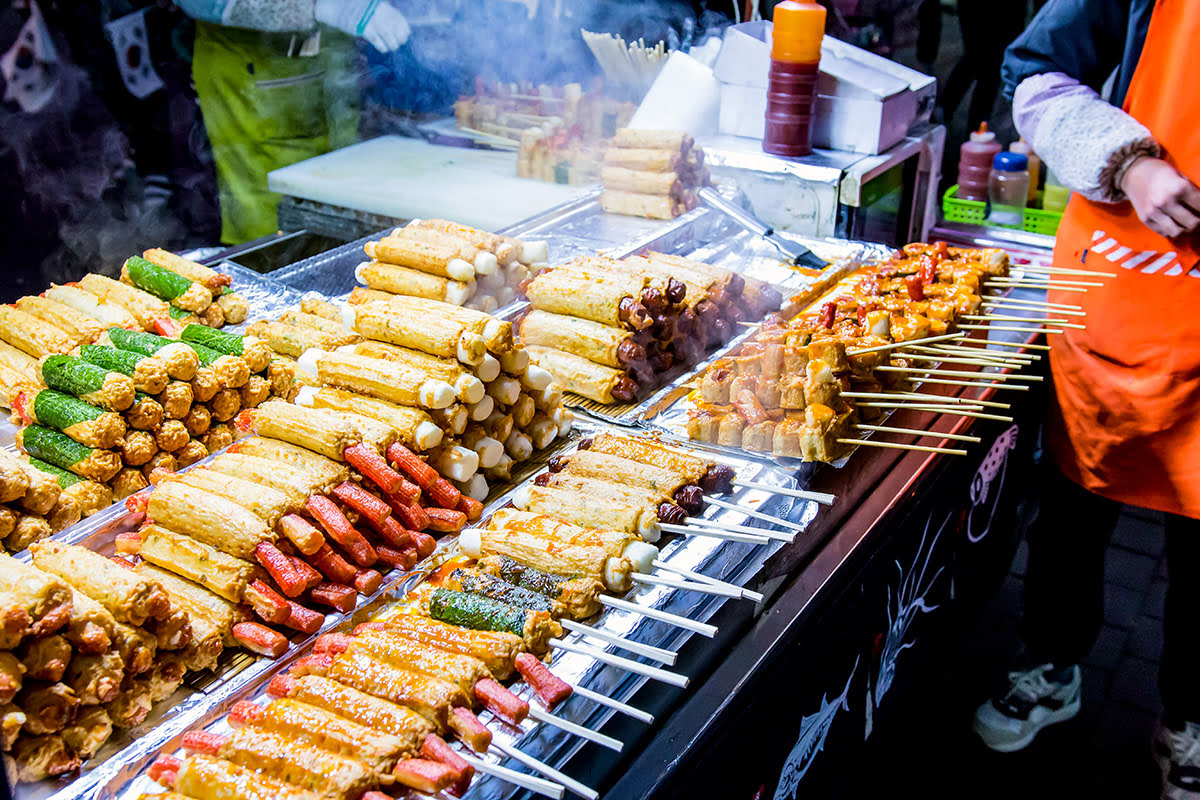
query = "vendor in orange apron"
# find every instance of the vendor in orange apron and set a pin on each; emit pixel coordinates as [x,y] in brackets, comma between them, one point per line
[1125,422]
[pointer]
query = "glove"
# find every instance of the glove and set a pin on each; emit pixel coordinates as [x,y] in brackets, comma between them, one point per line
[377,21]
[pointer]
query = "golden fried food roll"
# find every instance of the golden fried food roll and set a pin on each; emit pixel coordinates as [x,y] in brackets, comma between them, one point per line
[392,381]
[361,295]
[633,204]
[95,679]
[632,180]
[132,704]
[145,307]
[498,650]
[212,280]
[297,483]
[291,340]
[79,326]
[328,470]
[324,432]
[395,279]
[313,303]
[127,597]
[28,529]
[182,506]
[443,260]
[12,719]
[429,331]
[644,159]
[31,601]
[110,315]
[413,426]
[30,335]
[677,141]
[12,675]
[49,708]
[206,778]
[467,387]
[604,344]
[91,629]
[199,602]
[577,374]
[136,647]
[497,333]
[41,757]
[483,259]
[330,327]
[223,574]
[266,503]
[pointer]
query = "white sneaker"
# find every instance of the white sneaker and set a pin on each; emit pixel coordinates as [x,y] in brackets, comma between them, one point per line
[1178,756]
[1009,722]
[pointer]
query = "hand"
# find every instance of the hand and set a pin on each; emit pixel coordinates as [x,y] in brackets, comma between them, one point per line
[1164,199]
[377,21]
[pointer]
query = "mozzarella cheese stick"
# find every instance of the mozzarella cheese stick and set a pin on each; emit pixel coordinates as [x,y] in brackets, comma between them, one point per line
[607,298]
[392,381]
[266,503]
[436,259]
[467,387]
[482,259]
[438,335]
[496,333]
[324,432]
[604,344]
[413,427]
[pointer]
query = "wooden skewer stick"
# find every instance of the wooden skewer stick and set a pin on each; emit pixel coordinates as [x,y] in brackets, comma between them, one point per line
[1035,285]
[961,373]
[616,705]
[655,653]
[941,398]
[786,523]
[1014,328]
[528,782]
[1020,387]
[664,675]
[676,582]
[732,536]
[824,498]
[1005,299]
[998,343]
[957,411]
[702,628]
[999,356]
[1063,323]
[547,770]
[1010,306]
[781,536]
[964,400]
[892,345]
[953,437]
[616,745]
[1039,283]
[898,446]
[950,359]
[702,578]
[1065,271]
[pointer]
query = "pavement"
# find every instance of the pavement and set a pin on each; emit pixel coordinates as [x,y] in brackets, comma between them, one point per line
[930,752]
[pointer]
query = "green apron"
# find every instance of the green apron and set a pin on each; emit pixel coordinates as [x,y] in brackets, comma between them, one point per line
[264,110]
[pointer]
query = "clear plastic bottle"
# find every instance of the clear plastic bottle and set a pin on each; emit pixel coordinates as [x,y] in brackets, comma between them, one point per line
[1008,187]
[1035,169]
[975,164]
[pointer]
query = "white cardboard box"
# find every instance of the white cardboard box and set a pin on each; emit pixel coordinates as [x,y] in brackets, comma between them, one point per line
[865,103]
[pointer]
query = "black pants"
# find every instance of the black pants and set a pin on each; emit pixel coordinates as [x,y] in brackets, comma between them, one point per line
[1064,589]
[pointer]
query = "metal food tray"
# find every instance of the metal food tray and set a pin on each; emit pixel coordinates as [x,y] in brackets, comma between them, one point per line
[124,777]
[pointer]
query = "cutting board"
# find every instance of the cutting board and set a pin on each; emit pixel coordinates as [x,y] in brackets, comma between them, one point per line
[410,178]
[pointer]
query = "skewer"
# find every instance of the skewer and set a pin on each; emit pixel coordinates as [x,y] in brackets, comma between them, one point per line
[656,653]
[702,628]
[954,437]
[663,675]
[702,578]
[756,514]
[1020,387]
[1042,320]
[941,398]
[1016,328]
[733,536]
[999,356]
[824,498]
[950,359]
[547,770]
[960,373]
[998,343]
[996,283]
[688,586]
[898,446]
[953,410]
[997,303]
[1066,271]
[601,739]
[1004,299]
[963,400]
[528,782]
[1039,283]
[892,345]
[746,529]
[616,705]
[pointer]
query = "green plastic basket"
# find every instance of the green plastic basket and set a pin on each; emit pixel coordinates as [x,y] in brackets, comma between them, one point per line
[974,212]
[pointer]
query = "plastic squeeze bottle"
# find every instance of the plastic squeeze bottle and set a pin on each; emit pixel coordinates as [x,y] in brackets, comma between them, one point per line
[975,164]
[792,80]
[1035,169]
[1007,189]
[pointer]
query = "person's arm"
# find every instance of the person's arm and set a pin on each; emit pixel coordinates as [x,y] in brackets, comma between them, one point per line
[376,21]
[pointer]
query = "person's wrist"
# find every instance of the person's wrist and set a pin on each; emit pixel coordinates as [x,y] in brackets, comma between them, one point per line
[1128,173]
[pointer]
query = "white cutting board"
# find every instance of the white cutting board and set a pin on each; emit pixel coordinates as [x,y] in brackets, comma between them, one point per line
[410,178]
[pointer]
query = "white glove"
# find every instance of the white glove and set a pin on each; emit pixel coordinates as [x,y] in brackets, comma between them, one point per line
[377,21]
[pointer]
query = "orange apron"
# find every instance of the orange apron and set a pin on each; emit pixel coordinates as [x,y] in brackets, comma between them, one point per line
[1124,421]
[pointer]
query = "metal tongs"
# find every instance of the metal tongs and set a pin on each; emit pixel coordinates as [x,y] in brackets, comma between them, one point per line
[795,253]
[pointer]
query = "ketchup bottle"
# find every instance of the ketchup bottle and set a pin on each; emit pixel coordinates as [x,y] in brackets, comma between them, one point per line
[792,80]
[975,164]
